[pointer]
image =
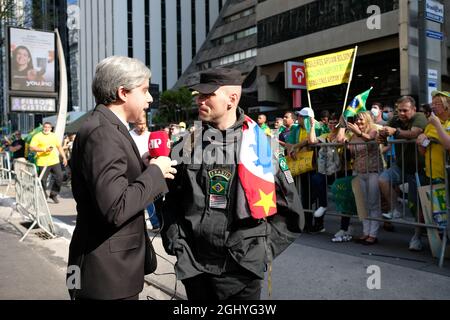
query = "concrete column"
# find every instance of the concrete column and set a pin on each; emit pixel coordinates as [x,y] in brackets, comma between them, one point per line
[403,45]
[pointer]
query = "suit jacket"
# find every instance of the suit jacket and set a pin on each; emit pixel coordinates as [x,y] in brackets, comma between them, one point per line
[111,186]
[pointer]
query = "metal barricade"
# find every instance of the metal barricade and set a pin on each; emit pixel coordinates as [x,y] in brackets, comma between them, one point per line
[5,172]
[30,199]
[426,195]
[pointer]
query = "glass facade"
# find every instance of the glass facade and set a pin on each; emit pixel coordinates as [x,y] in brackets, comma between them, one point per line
[240,15]
[235,36]
[232,58]
[314,17]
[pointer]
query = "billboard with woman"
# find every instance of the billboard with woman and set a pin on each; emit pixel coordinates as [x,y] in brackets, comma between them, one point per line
[32,60]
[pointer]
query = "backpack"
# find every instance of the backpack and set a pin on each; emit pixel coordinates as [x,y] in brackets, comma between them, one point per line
[328,160]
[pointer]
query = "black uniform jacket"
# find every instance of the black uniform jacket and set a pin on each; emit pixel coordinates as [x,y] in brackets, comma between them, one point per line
[111,186]
[203,237]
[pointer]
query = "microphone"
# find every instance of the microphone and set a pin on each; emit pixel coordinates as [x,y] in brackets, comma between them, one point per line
[158,144]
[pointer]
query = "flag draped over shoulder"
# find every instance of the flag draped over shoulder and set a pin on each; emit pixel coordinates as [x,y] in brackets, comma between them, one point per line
[27,140]
[357,105]
[329,69]
[256,172]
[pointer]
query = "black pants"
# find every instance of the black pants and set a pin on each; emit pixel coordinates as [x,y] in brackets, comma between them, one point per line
[307,201]
[207,287]
[57,174]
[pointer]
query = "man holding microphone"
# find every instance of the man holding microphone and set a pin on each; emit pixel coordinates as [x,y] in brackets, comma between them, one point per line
[110,251]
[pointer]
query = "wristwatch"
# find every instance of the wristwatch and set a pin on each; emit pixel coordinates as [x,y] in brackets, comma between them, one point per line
[397,132]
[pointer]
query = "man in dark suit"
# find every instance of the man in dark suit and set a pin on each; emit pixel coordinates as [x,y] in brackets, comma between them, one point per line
[110,251]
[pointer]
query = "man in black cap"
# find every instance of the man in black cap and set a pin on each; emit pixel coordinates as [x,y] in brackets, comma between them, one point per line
[211,218]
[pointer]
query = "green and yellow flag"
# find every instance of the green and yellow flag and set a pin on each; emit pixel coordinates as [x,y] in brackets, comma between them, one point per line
[328,70]
[357,105]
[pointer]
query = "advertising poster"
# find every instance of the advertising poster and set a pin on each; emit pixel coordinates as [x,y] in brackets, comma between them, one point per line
[32,60]
[434,210]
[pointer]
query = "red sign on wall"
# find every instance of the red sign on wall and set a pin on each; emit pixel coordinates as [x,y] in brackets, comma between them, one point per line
[295,76]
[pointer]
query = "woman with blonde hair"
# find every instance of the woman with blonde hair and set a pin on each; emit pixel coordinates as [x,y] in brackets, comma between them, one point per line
[432,142]
[367,163]
[438,127]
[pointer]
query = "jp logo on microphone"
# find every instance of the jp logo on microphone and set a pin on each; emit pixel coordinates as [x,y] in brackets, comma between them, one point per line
[159,144]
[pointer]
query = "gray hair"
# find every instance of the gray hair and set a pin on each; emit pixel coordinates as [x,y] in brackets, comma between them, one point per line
[116,71]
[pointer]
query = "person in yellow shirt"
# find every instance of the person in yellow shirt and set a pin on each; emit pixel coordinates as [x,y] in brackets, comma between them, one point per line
[45,144]
[439,123]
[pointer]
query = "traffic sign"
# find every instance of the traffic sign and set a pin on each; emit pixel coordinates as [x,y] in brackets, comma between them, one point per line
[435,35]
[434,11]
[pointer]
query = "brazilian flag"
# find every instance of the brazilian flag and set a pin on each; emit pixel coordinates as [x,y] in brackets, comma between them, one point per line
[357,105]
[30,156]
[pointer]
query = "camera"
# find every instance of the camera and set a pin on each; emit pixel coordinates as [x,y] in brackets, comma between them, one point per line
[351,119]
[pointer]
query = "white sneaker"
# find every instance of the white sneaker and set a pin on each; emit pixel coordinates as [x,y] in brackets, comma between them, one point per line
[392,214]
[341,236]
[416,243]
[320,212]
[340,233]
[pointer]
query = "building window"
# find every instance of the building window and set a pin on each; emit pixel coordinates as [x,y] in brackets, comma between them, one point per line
[207,15]
[316,16]
[232,58]
[147,33]
[179,51]
[235,36]
[240,15]
[193,26]
[163,45]
[130,27]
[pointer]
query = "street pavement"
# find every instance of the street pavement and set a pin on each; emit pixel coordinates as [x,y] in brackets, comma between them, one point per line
[311,268]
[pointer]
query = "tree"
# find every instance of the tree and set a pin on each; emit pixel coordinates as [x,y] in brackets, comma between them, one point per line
[7,9]
[13,14]
[174,106]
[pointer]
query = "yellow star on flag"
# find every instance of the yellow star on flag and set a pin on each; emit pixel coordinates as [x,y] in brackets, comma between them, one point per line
[266,201]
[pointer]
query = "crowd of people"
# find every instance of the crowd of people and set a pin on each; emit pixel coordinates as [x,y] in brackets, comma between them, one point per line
[379,147]
[42,148]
